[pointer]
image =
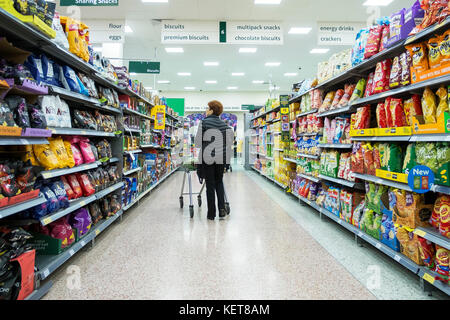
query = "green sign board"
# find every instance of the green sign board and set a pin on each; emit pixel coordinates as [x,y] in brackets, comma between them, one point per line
[223,31]
[145,67]
[177,105]
[249,107]
[89,3]
[285,124]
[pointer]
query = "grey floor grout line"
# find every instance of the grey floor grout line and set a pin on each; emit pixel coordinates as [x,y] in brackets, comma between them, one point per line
[395,281]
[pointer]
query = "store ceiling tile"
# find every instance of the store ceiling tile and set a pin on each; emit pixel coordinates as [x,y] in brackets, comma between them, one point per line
[145,42]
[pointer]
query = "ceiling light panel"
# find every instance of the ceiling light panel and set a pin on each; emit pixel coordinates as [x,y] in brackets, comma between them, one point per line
[273,64]
[238,74]
[184,74]
[267,1]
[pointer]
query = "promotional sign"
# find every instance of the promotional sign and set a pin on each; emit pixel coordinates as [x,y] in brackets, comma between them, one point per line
[285,124]
[421,179]
[101,31]
[144,67]
[89,3]
[225,32]
[159,114]
[338,33]
[191,32]
[254,33]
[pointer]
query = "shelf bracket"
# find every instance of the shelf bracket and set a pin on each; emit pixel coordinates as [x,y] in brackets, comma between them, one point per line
[359,241]
[426,287]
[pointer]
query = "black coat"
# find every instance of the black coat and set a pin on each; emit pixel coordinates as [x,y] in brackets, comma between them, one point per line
[215,139]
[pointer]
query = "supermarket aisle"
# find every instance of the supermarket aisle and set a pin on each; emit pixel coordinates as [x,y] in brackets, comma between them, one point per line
[157,252]
[260,252]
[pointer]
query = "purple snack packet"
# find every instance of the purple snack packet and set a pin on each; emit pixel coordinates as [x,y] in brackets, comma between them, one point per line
[81,220]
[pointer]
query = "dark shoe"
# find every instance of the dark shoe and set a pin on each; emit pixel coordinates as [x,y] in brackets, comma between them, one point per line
[211,218]
[222,213]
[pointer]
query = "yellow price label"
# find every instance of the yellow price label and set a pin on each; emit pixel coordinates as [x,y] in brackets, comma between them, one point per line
[428,278]
[48,221]
[420,233]
[97,232]
[83,203]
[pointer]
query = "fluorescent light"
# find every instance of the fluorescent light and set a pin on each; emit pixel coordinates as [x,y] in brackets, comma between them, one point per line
[232,88]
[189,88]
[267,1]
[290,74]
[210,64]
[155,1]
[163,81]
[296,30]
[211,81]
[184,74]
[258,81]
[128,29]
[376,3]
[238,74]
[248,50]
[148,88]
[174,50]
[319,50]
[98,49]
[133,74]
[273,64]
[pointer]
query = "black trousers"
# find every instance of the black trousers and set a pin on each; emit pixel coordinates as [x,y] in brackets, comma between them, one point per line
[214,185]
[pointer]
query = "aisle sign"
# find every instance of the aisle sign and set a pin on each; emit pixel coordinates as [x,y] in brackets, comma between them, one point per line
[254,33]
[89,3]
[421,179]
[338,33]
[145,67]
[192,32]
[159,114]
[101,31]
[225,32]
[284,112]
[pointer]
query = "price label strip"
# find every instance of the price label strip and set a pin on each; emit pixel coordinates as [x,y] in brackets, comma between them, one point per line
[428,278]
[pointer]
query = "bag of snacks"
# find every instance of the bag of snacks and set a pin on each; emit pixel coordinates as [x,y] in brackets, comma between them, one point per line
[434,52]
[59,190]
[397,113]
[86,151]
[58,148]
[86,184]
[348,92]
[45,156]
[357,163]
[381,116]
[426,154]
[369,166]
[410,158]
[427,252]
[327,101]
[369,87]
[81,220]
[69,192]
[418,55]
[381,77]
[96,214]
[444,218]
[74,184]
[61,229]
[392,158]
[396,73]
[52,201]
[359,90]
[444,47]
[373,41]
[337,97]
[443,263]
[405,64]
[362,118]
[429,106]
[443,103]
[387,108]
[412,108]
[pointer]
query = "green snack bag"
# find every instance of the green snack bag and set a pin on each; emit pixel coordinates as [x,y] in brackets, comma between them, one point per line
[430,156]
[394,158]
[443,153]
[410,158]
[377,198]
[359,90]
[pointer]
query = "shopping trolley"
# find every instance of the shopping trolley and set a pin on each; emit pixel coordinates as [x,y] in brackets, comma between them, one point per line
[188,169]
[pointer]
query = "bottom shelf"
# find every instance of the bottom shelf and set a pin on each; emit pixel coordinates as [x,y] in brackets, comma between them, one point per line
[143,194]
[40,292]
[421,271]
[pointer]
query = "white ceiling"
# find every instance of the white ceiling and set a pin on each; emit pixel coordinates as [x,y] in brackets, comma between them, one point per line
[144,42]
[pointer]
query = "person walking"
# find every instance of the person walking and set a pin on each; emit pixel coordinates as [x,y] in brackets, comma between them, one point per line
[214,138]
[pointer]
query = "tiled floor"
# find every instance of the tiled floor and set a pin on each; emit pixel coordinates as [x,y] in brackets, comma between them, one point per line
[269,248]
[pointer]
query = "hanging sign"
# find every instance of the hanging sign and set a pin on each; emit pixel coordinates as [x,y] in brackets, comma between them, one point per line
[192,32]
[225,32]
[104,31]
[159,114]
[88,3]
[421,179]
[145,67]
[254,33]
[338,33]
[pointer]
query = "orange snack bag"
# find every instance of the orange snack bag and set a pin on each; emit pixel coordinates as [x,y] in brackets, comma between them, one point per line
[418,56]
[434,52]
[444,47]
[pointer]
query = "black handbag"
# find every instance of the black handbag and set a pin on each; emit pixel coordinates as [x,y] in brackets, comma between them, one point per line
[200,172]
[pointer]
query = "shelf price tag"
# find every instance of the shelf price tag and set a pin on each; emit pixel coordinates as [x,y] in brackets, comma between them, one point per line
[97,232]
[46,273]
[71,252]
[47,221]
[428,278]
[397,258]
[420,233]
[378,245]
